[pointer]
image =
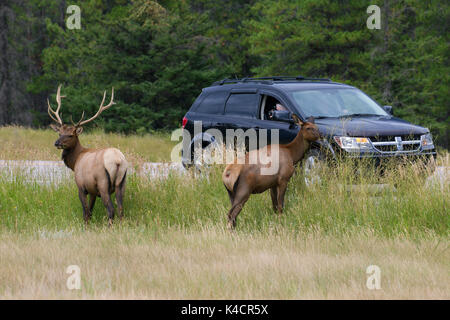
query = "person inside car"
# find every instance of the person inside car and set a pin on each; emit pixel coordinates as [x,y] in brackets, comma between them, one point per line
[278,107]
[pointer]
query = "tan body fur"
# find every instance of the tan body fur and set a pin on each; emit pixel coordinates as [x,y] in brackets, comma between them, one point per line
[241,179]
[90,167]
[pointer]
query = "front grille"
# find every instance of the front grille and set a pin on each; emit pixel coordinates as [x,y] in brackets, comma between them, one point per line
[410,137]
[396,144]
[387,148]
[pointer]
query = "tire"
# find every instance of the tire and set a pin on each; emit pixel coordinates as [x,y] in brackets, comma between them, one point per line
[311,165]
[200,165]
[185,162]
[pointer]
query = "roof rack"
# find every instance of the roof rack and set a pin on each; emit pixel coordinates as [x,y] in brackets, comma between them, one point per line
[269,80]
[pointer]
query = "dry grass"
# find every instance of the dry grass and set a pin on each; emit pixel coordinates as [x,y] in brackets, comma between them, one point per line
[19,143]
[214,264]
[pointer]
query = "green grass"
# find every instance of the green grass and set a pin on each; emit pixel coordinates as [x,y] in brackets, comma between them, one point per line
[414,209]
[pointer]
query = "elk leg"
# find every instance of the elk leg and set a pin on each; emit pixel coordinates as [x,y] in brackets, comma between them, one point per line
[83,198]
[106,198]
[281,190]
[92,199]
[120,191]
[230,194]
[234,211]
[241,197]
[274,196]
[119,198]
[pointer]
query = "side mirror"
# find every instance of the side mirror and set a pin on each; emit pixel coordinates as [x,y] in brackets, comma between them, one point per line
[388,109]
[281,115]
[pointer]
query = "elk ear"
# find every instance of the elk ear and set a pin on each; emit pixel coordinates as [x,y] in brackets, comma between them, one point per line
[55,127]
[79,130]
[311,119]
[297,120]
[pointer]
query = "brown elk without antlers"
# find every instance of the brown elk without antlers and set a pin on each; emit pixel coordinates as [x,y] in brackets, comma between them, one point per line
[98,172]
[242,180]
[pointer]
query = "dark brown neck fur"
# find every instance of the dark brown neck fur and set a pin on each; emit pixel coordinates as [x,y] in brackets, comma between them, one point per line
[70,156]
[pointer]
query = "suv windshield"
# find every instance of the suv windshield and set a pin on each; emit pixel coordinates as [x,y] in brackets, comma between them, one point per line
[335,103]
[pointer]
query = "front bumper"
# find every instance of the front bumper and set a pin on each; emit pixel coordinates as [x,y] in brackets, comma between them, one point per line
[361,155]
[334,151]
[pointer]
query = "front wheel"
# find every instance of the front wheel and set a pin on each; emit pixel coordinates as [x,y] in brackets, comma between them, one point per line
[312,167]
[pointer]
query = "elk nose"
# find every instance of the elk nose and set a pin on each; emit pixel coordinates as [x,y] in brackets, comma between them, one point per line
[57,143]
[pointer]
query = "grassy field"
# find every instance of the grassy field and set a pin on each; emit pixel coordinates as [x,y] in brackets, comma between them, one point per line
[19,143]
[173,242]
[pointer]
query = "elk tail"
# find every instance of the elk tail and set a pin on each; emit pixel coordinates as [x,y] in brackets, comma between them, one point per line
[116,166]
[230,176]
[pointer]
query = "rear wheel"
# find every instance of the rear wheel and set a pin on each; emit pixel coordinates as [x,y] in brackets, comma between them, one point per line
[204,157]
[312,167]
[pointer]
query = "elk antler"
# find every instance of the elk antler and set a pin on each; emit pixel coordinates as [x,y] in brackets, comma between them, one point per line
[100,110]
[78,123]
[56,113]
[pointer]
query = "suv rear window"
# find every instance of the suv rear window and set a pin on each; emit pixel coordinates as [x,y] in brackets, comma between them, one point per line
[213,103]
[242,104]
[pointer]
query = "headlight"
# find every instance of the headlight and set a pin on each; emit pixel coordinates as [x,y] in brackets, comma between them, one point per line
[353,144]
[426,140]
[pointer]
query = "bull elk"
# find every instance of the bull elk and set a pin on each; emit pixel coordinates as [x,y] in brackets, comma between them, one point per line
[243,179]
[98,172]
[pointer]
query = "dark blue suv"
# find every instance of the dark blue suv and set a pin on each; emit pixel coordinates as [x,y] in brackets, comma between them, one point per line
[351,123]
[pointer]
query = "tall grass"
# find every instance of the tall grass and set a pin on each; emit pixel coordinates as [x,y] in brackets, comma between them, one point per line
[211,263]
[344,202]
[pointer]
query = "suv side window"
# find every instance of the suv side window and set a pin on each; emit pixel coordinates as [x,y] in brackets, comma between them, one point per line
[213,103]
[242,104]
[269,103]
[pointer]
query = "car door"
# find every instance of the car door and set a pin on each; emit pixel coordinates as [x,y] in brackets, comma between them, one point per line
[210,109]
[241,110]
[286,131]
